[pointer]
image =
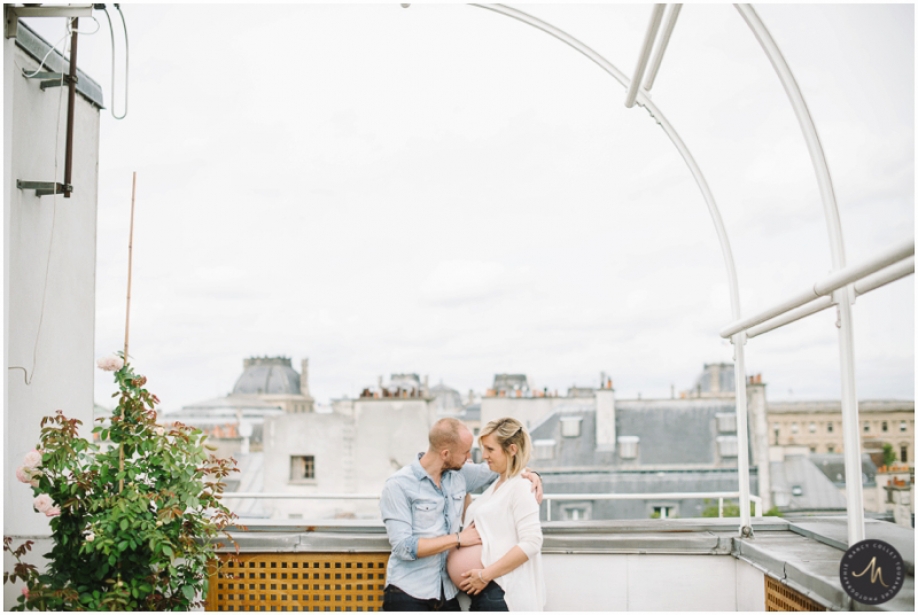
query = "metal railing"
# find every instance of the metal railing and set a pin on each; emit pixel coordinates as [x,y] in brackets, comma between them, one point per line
[720,496]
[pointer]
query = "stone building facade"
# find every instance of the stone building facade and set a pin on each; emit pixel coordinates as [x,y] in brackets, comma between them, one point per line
[817,425]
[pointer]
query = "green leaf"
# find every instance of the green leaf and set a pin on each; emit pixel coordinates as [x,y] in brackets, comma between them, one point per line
[188,590]
[122,545]
[124,525]
[167,550]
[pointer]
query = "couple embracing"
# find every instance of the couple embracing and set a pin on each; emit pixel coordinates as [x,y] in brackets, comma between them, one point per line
[443,541]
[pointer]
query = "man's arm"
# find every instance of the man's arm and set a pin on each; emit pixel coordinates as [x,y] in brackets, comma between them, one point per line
[395,507]
[431,546]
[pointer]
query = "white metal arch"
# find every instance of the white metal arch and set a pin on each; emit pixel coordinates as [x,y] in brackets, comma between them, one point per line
[843,292]
[738,339]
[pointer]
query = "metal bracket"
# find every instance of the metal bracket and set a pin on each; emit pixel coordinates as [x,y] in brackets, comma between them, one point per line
[13,13]
[44,188]
[51,79]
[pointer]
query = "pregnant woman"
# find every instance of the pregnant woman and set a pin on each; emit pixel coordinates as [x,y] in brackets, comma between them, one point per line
[505,571]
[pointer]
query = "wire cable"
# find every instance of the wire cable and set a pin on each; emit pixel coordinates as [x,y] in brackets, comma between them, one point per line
[127,59]
[44,292]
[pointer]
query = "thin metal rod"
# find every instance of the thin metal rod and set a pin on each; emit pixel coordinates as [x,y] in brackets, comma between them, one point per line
[668,26]
[885,276]
[851,433]
[127,311]
[826,286]
[742,433]
[652,27]
[823,303]
[71,101]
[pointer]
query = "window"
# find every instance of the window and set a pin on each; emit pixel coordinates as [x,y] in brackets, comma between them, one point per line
[866,427]
[813,449]
[628,446]
[576,512]
[543,449]
[727,446]
[726,422]
[830,427]
[794,428]
[796,490]
[903,453]
[830,448]
[570,426]
[902,426]
[302,467]
[812,428]
[884,426]
[663,512]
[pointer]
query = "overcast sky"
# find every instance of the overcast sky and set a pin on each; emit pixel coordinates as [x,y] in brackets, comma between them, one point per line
[447,191]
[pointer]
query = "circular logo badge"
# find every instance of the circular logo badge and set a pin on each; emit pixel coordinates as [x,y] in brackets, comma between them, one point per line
[872,571]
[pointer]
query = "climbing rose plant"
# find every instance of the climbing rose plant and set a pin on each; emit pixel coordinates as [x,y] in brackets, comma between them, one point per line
[146,545]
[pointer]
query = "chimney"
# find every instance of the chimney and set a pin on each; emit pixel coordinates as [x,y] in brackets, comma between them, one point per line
[757,412]
[304,378]
[605,418]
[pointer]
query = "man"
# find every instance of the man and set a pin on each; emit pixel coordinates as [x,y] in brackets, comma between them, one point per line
[422,507]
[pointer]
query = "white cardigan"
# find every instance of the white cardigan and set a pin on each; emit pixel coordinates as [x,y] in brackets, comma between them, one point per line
[506,518]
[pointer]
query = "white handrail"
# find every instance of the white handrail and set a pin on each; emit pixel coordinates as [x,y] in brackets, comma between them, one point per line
[862,287]
[720,495]
[548,497]
[885,276]
[826,286]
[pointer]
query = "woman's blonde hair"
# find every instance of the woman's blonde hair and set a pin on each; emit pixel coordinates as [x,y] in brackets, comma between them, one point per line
[509,431]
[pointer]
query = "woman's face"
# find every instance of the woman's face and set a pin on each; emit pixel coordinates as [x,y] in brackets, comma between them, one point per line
[491,451]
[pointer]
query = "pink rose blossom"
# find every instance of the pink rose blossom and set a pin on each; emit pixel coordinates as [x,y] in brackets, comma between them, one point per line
[110,364]
[43,503]
[23,475]
[32,459]
[53,511]
[25,591]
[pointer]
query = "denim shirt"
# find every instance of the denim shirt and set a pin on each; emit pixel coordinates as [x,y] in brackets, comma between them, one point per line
[413,507]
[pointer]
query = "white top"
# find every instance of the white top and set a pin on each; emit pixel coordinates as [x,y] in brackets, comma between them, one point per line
[506,518]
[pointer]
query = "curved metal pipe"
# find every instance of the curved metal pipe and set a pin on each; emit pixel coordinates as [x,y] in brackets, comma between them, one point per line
[655,112]
[740,338]
[844,296]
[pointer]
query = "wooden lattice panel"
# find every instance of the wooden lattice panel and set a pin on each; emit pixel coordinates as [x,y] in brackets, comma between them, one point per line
[780,597]
[298,582]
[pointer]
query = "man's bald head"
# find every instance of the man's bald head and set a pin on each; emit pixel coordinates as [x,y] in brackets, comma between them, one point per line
[446,434]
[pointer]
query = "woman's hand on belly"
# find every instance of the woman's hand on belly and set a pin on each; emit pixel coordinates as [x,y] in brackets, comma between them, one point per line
[462,560]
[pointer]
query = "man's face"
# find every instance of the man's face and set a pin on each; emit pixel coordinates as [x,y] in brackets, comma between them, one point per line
[460,452]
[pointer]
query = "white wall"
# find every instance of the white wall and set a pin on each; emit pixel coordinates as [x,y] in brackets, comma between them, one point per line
[354,453]
[50,234]
[645,582]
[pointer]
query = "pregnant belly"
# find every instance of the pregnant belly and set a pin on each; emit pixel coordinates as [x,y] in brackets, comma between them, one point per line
[462,560]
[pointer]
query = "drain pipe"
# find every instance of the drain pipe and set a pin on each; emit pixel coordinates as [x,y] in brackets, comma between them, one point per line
[71,100]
